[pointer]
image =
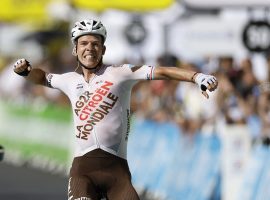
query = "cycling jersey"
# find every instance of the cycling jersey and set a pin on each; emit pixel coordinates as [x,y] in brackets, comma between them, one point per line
[101,107]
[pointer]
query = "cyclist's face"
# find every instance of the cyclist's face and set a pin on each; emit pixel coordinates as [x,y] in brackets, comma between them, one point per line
[90,50]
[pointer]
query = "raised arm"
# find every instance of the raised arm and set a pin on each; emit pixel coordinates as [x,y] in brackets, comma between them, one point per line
[174,73]
[23,68]
[204,81]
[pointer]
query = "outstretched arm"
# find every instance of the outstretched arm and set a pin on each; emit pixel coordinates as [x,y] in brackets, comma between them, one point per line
[205,82]
[23,68]
[174,73]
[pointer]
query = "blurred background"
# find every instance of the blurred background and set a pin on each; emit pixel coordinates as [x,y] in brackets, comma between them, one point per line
[181,146]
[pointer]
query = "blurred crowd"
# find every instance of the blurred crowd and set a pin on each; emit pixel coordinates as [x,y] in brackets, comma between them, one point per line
[242,97]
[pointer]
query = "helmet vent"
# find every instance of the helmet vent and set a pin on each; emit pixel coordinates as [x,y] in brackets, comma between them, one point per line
[88,27]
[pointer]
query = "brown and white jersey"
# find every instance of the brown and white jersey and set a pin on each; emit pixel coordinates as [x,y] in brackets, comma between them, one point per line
[101,107]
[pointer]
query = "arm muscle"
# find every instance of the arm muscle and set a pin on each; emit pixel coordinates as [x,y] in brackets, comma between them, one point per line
[173,73]
[37,76]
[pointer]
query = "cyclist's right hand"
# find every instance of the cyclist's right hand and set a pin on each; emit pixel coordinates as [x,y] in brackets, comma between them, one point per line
[22,67]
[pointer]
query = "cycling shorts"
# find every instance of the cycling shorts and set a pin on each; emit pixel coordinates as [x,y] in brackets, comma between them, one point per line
[99,174]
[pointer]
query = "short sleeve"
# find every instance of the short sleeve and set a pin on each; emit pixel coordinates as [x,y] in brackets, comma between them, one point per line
[136,72]
[57,81]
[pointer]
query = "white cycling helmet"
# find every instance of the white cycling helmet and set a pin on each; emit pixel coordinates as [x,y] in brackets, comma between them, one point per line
[86,27]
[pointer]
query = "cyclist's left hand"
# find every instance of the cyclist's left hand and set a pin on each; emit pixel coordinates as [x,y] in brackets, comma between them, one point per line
[206,82]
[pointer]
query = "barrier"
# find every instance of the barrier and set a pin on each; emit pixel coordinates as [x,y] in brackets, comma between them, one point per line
[171,165]
[163,160]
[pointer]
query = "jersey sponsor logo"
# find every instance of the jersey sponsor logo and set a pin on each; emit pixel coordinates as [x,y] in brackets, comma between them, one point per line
[79,86]
[128,124]
[93,107]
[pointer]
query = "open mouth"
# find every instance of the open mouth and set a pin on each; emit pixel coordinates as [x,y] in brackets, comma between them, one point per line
[90,56]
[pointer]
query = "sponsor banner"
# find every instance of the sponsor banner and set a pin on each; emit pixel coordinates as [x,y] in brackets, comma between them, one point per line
[31,133]
[207,36]
[189,168]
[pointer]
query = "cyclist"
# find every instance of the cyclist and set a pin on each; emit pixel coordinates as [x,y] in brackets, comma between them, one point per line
[100,100]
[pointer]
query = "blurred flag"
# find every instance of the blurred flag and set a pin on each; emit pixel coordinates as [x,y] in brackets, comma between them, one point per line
[139,5]
[24,11]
